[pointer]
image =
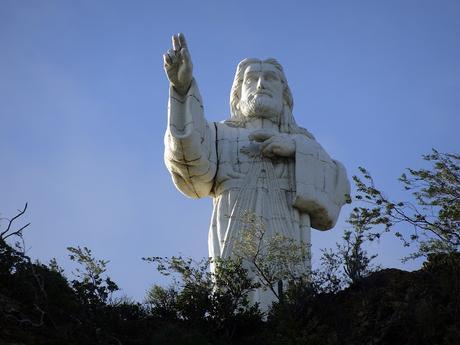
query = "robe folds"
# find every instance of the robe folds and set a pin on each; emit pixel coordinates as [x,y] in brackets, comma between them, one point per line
[217,159]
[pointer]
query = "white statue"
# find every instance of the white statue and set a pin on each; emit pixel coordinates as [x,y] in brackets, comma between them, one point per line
[259,160]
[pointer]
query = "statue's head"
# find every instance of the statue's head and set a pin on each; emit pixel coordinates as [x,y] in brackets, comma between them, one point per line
[259,89]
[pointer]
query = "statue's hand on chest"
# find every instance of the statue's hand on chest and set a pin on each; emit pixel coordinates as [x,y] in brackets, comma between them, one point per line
[273,144]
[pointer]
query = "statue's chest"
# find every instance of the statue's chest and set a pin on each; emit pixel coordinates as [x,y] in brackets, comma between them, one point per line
[236,153]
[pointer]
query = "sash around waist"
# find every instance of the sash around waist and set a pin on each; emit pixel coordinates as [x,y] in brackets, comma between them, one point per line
[236,183]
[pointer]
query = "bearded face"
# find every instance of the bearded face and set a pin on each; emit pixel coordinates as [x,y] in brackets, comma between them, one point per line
[261,92]
[260,105]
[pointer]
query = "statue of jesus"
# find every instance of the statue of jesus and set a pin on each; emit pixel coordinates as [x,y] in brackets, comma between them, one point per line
[258,160]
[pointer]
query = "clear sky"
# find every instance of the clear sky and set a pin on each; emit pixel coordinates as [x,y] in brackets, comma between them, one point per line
[83,101]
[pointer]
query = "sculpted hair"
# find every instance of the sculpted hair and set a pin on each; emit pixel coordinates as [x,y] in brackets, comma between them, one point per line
[286,121]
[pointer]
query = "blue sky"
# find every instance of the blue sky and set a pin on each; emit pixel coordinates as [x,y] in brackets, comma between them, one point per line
[83,101]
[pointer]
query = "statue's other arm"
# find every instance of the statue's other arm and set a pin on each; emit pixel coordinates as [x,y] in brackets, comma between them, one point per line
[322,185]
[190,154]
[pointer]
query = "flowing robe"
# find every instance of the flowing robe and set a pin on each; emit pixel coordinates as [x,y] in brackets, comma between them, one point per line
[216,159]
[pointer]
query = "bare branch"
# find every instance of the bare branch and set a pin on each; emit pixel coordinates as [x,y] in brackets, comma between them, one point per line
[10,223]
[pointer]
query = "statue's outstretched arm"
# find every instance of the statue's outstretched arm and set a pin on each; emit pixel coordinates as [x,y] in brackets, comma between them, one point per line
[190,154]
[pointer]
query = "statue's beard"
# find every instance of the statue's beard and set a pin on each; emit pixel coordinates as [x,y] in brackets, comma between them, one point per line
[261,107]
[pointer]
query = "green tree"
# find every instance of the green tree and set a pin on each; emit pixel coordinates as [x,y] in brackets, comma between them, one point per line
[434,217]
[215,302]
[91,286]
[349,262]
[274,261]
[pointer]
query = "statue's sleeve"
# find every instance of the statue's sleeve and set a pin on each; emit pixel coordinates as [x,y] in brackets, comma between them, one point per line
[322,186]
[190,150]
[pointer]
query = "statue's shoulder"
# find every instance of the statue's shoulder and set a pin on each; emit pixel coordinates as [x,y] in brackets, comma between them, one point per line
[230,125]
[227,125]
[306,133]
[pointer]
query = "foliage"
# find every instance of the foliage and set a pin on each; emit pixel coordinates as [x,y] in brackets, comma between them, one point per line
[328,278]
[190,300]
[214,302]
[29,293]
[281,259]
[272,260]
[54,266]
[91,286]
[435,218]
[39,306]
[349,263]
[388,306]
[221,293]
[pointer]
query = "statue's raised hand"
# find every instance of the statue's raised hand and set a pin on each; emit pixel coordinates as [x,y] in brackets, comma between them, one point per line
[178,64]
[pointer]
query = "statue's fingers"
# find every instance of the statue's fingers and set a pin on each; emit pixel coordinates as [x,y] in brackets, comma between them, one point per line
[258,137]
[275,149]
[268,150]
[186,56]
[172,55]
[167,60]
[261,135]
[278,151]
[265,143]
[182,41]
[176,42]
